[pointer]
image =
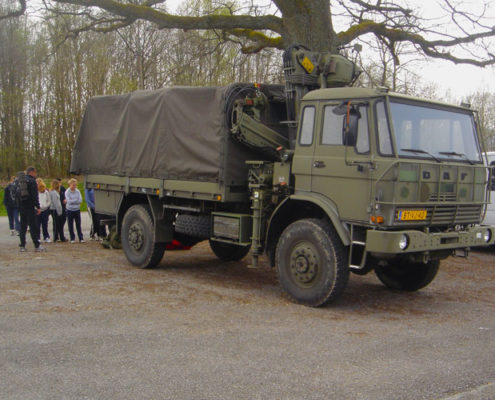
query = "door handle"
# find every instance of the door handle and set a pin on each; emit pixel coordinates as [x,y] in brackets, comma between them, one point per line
[319,164]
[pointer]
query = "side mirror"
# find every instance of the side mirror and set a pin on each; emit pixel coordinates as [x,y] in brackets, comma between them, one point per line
[350,130]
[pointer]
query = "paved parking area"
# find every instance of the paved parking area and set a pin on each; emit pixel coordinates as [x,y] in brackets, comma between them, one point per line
[78,322]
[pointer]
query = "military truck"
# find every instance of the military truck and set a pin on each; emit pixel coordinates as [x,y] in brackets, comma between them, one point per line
[323,177]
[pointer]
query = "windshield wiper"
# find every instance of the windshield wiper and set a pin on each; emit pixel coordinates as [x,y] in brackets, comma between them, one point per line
[421,152]
[453,153]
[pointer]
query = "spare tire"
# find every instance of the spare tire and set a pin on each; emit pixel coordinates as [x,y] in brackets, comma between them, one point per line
[196,226]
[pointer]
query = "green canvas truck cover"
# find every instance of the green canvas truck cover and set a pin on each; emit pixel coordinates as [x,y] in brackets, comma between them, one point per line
[171,133]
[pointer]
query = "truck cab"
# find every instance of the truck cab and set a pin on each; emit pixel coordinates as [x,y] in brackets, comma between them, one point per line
[401,181]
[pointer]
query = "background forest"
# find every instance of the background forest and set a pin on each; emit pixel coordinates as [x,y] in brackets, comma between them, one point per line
[49,69]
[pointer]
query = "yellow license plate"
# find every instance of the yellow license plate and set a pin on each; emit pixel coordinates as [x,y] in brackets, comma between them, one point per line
[411,215]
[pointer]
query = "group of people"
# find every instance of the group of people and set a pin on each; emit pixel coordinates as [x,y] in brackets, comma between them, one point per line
[37,203]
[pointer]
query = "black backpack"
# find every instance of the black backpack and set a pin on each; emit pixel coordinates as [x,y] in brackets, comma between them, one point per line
[20,190]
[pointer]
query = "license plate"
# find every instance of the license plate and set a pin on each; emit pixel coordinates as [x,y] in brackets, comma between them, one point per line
[411,215]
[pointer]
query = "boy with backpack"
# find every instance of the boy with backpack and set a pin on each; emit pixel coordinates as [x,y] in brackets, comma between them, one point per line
[29,206]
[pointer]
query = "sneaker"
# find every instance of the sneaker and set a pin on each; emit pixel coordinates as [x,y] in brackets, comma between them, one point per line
[72,241]
[12,232]
[48,240]
[81,241]
[22,249]
[39,249]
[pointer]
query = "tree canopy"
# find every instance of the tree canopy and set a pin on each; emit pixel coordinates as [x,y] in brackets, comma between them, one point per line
[53,57]
[465,38]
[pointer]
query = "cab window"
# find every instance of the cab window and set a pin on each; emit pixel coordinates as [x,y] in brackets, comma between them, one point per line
[384,140]
[334,123]
[307,125]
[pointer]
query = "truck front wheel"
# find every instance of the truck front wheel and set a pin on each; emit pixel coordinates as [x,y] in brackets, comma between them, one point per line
[138,238]
[229,252]
[311,262]
[407,276]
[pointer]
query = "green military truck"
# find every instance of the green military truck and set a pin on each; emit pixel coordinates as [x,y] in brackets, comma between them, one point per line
[324,178]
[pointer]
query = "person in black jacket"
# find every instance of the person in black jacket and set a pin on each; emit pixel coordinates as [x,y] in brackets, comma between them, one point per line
[64,212]
[11,207]
[28,209]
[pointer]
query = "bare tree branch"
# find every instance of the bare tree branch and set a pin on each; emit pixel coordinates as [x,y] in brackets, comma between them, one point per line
[432,48]
[167,21]
[16,12]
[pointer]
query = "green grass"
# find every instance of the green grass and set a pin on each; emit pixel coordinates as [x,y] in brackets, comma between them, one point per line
[80,186]
[3,211]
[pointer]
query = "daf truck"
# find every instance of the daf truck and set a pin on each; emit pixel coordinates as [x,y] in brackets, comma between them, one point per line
[322,177]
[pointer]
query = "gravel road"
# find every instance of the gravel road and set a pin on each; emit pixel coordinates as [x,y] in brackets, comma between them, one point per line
[78,322]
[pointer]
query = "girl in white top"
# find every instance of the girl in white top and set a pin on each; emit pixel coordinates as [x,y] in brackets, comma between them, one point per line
[45,202]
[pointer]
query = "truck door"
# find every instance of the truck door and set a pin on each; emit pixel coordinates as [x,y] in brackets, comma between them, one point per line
[303,156]
[342,172]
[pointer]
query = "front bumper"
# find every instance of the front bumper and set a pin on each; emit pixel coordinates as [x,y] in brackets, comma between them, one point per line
[387,242]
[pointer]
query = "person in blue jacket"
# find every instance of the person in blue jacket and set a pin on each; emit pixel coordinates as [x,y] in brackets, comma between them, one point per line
[98,230]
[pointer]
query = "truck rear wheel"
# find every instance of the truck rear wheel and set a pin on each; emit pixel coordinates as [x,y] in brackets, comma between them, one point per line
[311,262]
[407,276]
[138,238]
[229,252]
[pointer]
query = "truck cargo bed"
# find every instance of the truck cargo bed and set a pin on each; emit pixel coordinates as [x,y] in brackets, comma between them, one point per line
[173,135]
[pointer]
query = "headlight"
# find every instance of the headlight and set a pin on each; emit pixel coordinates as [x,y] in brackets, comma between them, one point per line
[404,242]
[487,235]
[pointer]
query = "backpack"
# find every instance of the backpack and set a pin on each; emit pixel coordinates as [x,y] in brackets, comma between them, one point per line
[20,190]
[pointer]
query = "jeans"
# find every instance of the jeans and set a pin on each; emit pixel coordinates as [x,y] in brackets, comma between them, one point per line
[43,222]
[58,227]
[14,222]
[71,217]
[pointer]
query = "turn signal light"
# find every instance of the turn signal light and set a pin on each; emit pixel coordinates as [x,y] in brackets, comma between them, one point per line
[377,219]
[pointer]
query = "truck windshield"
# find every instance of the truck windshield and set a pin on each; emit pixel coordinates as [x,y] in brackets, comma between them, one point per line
[435,133]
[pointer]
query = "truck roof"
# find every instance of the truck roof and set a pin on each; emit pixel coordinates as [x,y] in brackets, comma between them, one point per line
[343,93]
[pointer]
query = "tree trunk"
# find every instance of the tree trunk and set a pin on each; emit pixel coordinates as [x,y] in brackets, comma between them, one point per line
[308,22]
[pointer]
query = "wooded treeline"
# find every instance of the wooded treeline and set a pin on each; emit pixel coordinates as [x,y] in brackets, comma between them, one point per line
[48,72]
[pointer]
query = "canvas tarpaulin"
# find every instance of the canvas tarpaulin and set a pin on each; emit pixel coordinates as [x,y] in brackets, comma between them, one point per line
[171,133]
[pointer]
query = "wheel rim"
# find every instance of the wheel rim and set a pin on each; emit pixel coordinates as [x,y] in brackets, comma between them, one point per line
[304,264]
[136,236]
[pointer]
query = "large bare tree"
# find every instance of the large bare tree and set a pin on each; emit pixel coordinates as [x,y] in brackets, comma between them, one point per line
[467,38]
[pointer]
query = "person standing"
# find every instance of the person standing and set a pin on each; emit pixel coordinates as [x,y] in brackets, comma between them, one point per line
[45,202]
[56,212]
[73,204]
[11,206]
[29,207]
[63,202]
[98,230]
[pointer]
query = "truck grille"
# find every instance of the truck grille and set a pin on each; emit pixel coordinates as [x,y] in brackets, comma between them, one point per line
[443,197]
